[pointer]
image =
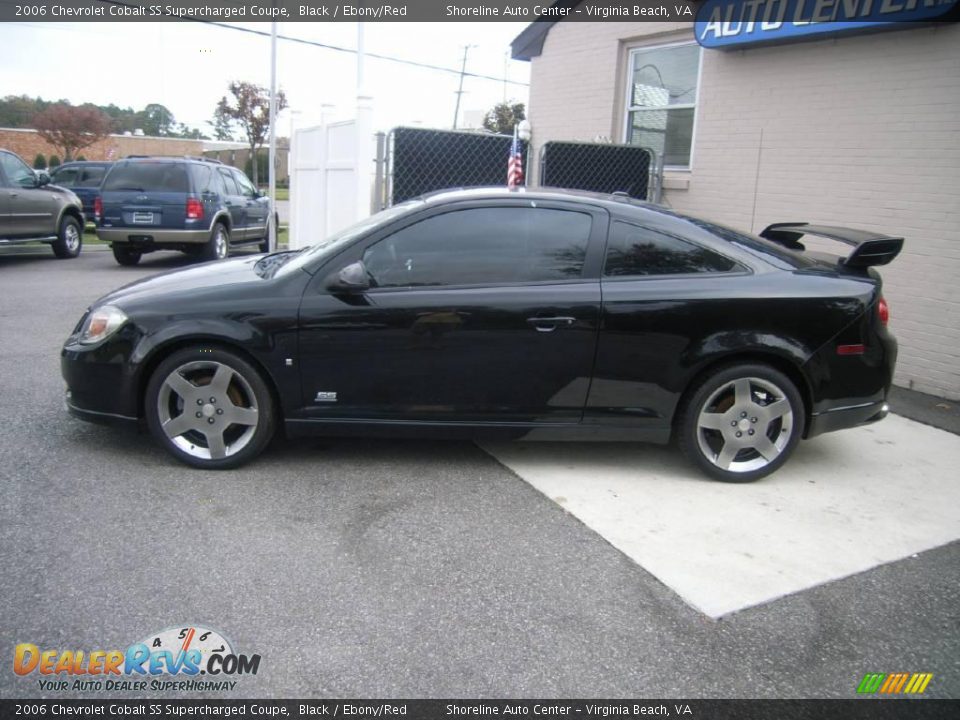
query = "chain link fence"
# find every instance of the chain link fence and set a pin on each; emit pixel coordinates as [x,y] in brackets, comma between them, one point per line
[600,167]
[415,161]
[422,160]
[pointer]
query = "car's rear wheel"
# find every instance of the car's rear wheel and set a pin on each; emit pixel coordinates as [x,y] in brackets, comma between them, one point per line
[218,246]
[210,408]
[742,422]
[126,255]
[69,239]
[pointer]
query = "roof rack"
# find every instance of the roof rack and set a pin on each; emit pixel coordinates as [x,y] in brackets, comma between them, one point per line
[173,157]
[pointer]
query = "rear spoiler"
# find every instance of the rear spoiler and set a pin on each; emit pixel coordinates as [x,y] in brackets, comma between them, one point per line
[868,248]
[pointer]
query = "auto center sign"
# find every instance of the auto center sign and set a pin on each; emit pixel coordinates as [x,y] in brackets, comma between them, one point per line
[735,23]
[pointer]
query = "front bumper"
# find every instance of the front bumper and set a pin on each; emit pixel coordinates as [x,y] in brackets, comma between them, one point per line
[102,384]
[147,237]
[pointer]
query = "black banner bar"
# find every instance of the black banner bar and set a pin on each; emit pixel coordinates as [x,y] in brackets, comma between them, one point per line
[859,709]
[233,11]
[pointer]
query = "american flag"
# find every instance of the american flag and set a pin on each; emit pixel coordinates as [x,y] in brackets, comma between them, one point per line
[515,164]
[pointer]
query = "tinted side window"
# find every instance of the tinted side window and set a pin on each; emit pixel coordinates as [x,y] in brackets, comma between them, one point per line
[143,176]
[483,246]
[67,177]
[246,187]
[634,250]
[91,176]
[201,177]
[229,183]
[16,171]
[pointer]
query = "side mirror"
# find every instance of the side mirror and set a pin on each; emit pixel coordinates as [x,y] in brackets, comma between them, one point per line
[353,278]
[42,179]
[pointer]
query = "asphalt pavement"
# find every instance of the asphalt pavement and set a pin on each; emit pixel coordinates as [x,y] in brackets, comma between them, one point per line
[386,568]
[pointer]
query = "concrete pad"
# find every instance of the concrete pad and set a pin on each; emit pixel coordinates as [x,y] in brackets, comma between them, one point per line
[844,503]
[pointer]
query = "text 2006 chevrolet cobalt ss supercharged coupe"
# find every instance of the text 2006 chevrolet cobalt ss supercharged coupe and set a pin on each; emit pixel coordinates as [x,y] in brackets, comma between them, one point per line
[527,315]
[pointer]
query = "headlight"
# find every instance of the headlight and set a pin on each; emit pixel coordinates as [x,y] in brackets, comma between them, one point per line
[101,324]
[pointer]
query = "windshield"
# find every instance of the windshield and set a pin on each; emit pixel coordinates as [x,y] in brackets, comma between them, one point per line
[339,240]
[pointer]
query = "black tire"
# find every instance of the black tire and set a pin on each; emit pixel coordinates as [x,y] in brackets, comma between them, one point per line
[264,245]
[733,425]
[125,255]
[218,246]
[69,240]
[195,372]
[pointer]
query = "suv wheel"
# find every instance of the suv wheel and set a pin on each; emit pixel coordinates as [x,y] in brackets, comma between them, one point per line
[126,255]
[69,239]
[741,423]
[265,243]
[218,247]
[210,408]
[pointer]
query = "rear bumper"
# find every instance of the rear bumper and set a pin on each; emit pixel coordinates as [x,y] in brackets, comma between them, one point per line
[847,417]
[147,237]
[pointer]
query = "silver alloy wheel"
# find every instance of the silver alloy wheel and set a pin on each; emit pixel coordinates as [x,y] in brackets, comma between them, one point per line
[220,243]
[207,409]
[71,237]
[744,425]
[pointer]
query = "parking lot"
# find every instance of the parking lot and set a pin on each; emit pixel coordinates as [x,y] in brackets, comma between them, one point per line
[418,569]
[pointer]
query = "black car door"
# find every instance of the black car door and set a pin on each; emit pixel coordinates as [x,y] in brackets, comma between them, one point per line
[482,312]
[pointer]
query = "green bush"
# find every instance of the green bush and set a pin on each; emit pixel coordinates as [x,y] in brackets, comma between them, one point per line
[81,158]
[40,162]
[54,161]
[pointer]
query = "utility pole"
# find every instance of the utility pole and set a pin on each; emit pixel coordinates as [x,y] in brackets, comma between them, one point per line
[463,70]
[272,228]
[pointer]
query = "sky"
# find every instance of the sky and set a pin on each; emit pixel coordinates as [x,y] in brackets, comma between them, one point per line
[187,66]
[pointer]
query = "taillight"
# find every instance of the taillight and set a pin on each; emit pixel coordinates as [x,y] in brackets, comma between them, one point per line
[97,208]
[194,209]
[883,311]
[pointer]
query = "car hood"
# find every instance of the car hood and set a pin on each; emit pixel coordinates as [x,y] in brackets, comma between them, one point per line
[193,283]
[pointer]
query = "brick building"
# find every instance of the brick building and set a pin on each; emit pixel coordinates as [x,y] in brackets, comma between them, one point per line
[27,143]
[858,130]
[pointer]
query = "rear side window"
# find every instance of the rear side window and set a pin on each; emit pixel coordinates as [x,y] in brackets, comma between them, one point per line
[483,246]
[91,176]
[147,176]
[634,250]
[229,183]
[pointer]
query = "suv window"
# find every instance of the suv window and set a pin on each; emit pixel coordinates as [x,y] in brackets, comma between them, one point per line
[634,250]
[143,176]
[246,187]
[17,171]
[483,246]
[79,176]
[227,177]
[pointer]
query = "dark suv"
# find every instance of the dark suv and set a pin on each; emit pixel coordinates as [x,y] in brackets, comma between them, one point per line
[195,205]
[83,178]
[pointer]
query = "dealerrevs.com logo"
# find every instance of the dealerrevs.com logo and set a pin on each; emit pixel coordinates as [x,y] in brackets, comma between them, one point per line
[172,659]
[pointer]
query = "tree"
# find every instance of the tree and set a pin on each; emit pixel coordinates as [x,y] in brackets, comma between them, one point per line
[158,121]
[54,161]
[504,117]
[39,162]
[70,128]
[248,107]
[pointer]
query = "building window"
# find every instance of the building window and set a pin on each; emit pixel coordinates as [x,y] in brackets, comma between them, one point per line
[661,100]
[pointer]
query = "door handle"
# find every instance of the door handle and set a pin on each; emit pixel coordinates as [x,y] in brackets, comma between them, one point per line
[549,324]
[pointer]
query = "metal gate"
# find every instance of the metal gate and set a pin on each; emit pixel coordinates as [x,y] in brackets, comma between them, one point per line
[600,167]
[421,160]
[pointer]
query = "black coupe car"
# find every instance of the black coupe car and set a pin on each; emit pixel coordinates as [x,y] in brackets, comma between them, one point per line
[523,314]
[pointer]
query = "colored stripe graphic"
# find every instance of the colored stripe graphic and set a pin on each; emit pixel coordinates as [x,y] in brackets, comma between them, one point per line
[895,683]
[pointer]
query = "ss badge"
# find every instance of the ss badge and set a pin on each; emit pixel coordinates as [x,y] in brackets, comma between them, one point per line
[325,396]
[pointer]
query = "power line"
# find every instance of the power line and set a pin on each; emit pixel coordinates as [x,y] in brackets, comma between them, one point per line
[378,56]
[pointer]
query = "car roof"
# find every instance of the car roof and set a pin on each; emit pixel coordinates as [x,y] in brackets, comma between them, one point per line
[84,163]
[170,159]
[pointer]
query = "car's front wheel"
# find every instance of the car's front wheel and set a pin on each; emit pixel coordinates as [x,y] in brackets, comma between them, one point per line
[126,256]
[69,239]
[210,408]
[742,422]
